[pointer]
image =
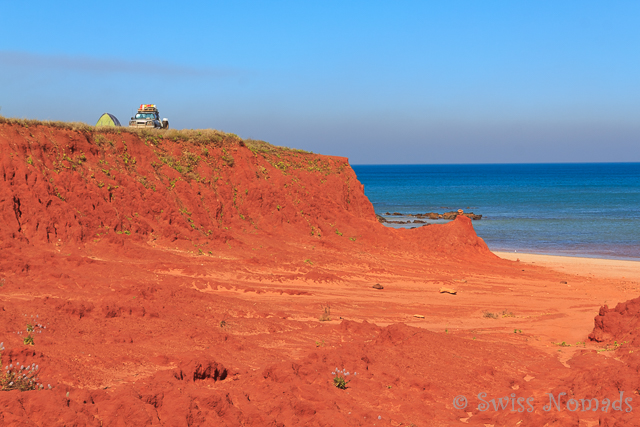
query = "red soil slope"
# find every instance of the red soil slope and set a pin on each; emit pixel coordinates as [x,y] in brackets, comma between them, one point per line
[181,283]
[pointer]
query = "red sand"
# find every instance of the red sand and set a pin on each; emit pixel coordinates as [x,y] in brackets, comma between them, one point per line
[193,297]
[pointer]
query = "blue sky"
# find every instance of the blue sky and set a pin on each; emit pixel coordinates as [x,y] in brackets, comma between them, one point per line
[378,82]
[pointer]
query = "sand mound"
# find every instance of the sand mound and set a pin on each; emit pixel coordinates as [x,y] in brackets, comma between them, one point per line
[619,324]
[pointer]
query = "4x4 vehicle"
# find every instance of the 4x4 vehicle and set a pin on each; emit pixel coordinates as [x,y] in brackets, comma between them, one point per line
[148,117]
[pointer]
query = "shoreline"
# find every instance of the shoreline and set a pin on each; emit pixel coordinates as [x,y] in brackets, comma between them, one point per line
[602,267]
[567,254]
[408,222]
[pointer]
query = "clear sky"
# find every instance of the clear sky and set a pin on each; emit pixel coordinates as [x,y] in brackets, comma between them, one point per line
[378,82]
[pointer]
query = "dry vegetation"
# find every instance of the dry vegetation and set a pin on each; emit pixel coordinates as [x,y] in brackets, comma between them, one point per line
[197,136]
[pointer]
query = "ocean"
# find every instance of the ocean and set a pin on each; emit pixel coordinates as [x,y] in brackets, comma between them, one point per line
[573,209]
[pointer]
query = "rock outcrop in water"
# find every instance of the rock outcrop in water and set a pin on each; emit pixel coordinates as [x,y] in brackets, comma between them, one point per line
[433,215]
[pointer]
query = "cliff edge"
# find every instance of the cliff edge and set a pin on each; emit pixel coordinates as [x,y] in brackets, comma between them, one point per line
[194,190]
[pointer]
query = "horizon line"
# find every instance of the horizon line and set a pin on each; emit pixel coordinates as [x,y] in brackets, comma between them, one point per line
[495,163]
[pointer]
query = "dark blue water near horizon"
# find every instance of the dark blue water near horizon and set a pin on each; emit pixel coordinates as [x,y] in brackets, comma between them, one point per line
[575,209]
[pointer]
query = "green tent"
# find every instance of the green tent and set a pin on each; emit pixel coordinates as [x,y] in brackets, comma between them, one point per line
[108,120]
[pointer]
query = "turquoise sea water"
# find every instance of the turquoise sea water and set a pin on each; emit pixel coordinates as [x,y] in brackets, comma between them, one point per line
[572,209]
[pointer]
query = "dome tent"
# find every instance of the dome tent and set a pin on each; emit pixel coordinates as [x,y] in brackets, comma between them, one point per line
[108,120]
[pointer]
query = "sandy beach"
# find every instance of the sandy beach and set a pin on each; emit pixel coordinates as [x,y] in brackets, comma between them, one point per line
[577,265]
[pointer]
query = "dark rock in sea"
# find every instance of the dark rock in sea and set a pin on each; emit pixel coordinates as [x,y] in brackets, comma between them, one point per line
[380,218]
[453,215]
[419,221]
[429,215]
[473,216]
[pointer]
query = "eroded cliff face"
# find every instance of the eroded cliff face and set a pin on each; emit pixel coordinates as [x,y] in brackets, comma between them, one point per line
[83,186]
[70,186]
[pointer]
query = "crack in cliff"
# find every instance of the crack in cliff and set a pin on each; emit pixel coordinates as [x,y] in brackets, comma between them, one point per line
[17,212]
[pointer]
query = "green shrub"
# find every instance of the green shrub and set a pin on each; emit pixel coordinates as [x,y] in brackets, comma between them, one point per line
[339,378]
